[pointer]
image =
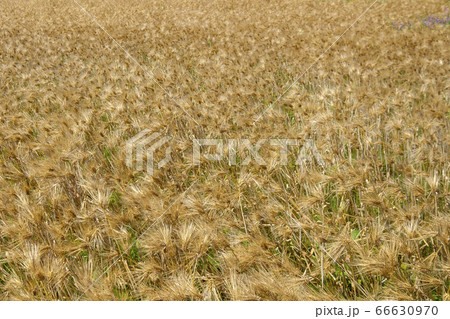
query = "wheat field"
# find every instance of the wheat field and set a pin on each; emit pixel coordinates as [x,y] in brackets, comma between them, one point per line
[370,221]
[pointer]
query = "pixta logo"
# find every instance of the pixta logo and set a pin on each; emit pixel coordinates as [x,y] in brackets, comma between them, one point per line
[145,144]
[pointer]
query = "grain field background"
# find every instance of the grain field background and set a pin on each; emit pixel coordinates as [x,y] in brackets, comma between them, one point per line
[369,221]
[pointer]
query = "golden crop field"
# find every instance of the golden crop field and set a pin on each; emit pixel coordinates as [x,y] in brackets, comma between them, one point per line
[364,216]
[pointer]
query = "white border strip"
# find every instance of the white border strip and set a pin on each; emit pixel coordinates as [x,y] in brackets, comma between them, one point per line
[236,309]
